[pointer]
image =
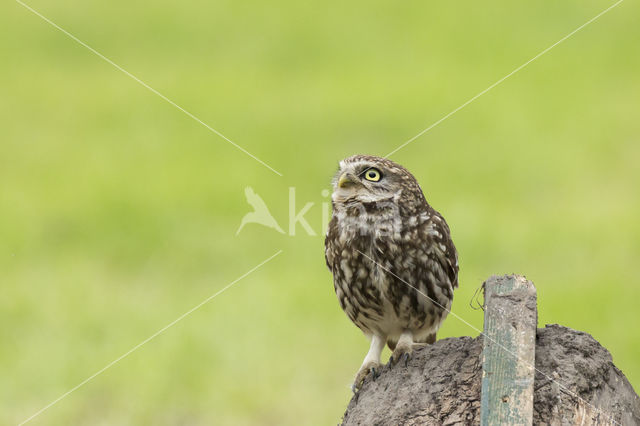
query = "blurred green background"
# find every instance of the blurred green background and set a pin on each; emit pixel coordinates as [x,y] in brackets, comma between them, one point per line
[118,213]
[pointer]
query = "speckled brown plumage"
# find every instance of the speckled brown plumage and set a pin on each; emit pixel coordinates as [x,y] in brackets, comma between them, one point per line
[383,239]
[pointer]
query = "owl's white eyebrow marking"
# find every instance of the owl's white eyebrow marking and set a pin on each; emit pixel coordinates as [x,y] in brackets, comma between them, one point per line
[358,164]
[367,166]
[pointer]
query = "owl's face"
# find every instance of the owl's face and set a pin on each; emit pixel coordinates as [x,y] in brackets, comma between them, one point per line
[367,179]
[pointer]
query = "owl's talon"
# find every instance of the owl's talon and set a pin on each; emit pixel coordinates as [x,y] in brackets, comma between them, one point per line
[406,357]
[401,353]
[374,373]
[366,370]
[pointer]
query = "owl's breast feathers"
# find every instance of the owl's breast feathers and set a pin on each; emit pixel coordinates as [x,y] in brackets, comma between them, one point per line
[392,272]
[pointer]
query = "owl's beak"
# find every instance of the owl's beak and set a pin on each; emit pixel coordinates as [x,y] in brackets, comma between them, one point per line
[346,179]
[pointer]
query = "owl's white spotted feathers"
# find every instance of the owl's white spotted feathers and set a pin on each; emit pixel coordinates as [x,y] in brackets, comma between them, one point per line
[393,262]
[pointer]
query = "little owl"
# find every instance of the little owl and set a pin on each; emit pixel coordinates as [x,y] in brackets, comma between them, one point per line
[393,262]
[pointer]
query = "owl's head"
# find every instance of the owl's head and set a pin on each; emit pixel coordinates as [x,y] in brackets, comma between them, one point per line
[367,179]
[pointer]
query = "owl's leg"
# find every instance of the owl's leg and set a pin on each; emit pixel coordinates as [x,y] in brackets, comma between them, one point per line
[371,363]
[403,348]
[429,340]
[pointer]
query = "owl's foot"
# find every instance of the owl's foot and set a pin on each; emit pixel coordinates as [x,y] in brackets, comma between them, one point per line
[371,368]
[401,354]
[403,349]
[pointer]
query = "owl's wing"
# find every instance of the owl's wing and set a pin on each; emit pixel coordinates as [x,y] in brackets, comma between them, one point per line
[332,232]
[450,254]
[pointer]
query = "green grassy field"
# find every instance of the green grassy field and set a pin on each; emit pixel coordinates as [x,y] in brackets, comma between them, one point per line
[118,213]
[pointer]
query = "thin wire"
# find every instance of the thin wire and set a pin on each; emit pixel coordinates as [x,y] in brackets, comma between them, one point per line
[503,78]
[154,335]
[490,339]
[100,55]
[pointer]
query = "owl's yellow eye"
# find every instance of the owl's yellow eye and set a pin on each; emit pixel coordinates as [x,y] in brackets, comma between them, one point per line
[373,175]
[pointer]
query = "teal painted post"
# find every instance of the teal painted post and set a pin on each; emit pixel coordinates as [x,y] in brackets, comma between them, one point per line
[508,355]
